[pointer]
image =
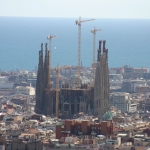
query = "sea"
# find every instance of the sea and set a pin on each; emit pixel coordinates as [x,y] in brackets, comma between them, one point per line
[127,40]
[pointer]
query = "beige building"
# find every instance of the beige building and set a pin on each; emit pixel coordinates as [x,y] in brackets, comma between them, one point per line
[28,90]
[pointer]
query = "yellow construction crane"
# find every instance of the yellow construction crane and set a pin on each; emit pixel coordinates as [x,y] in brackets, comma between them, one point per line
[94,41]
[78,22]
[50,50]
[57,86]
[94,47]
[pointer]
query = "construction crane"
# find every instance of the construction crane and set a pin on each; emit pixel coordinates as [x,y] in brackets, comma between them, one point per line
[78,22]
[50,50]
[57,87]
[94,47]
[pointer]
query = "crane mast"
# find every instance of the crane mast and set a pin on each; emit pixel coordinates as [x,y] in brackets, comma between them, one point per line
[50,50]
[57,87]
[57,90]
[78,22]
[94,47]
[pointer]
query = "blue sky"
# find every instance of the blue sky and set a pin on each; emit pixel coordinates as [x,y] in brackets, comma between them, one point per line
[76,8]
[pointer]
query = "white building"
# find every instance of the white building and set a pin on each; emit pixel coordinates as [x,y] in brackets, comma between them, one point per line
[83,79]
[136,83]
[121,101]
[28,90]
[133,108]
[3,78]
[6,88]
[116,77]
[130,85]
[116,141]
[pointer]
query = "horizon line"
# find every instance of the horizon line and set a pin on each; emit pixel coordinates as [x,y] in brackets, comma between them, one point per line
[68,17]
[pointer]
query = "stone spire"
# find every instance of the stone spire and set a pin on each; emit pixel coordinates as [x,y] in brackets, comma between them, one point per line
[101,85]
[48,70]
[106,51]
[99,51]
[104,43]
[39,83]
[45,67]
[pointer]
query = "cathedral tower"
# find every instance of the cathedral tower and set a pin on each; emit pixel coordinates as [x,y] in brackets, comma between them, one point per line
[101,85]
[44,92]
[39,83]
